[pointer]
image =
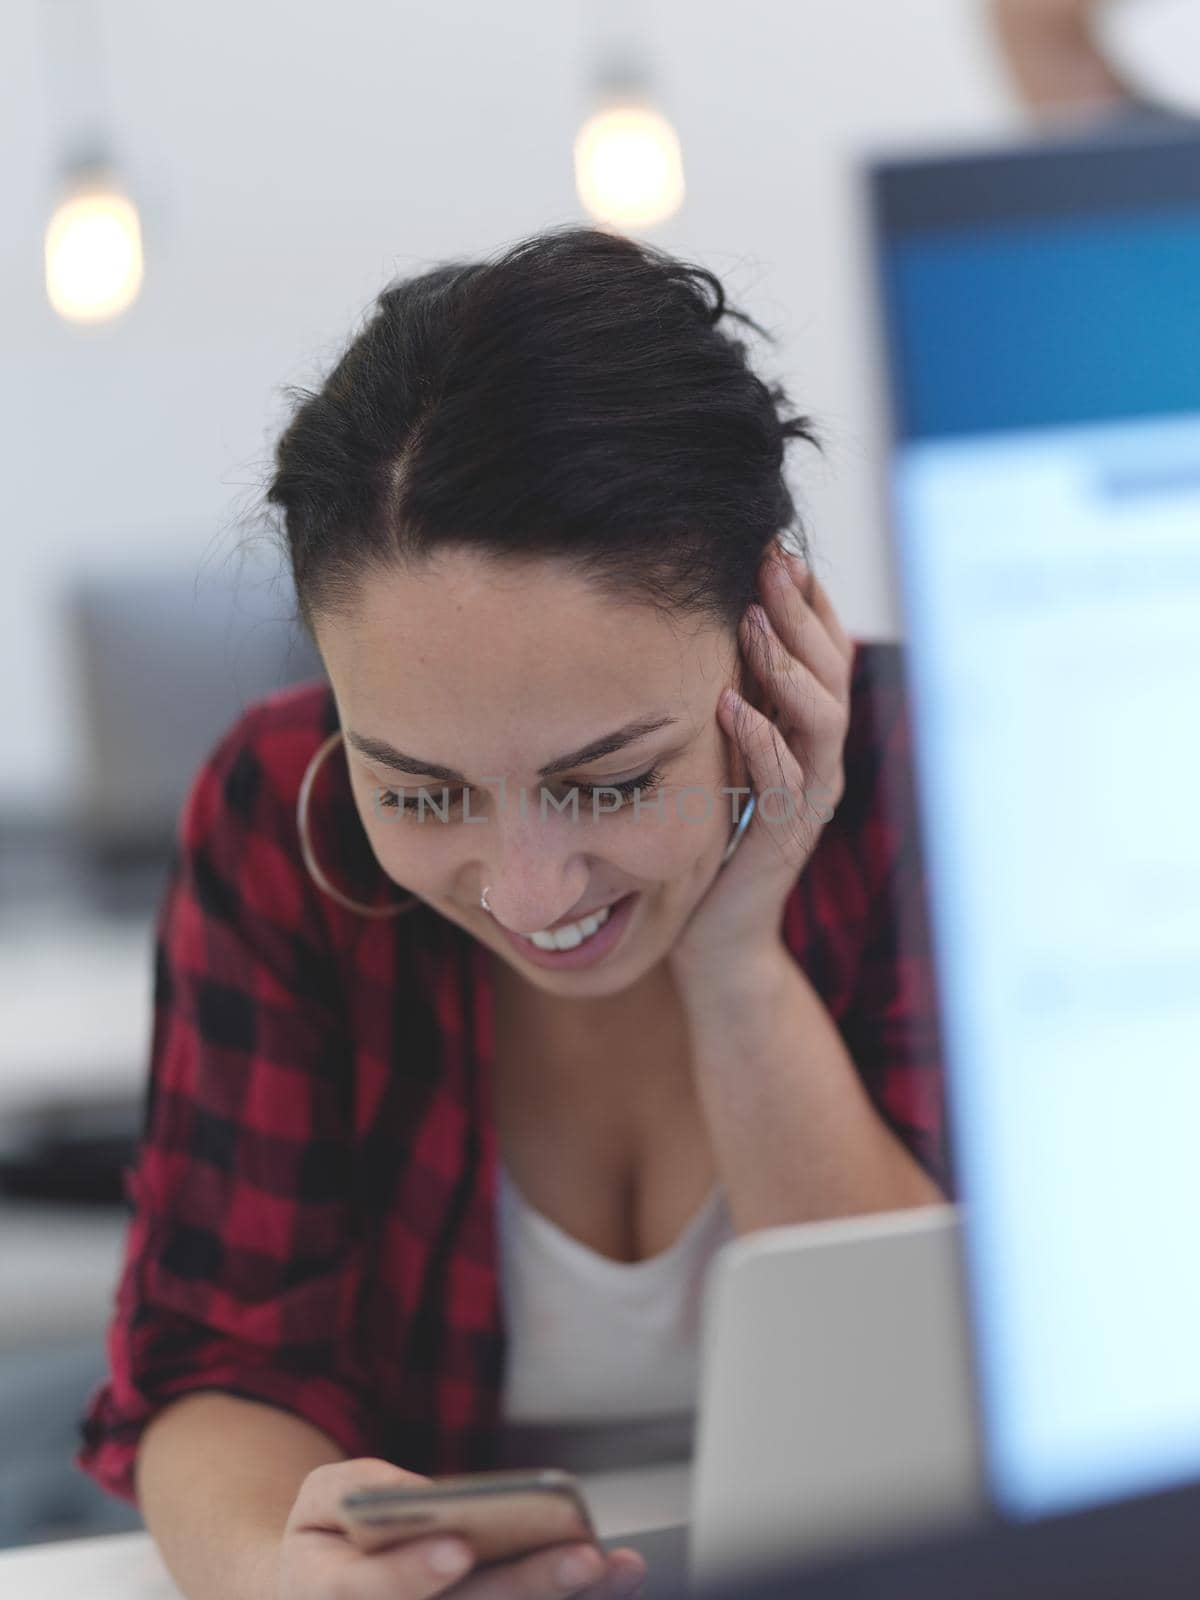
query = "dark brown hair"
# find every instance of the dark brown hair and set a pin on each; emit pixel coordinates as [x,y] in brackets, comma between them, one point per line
[574,398]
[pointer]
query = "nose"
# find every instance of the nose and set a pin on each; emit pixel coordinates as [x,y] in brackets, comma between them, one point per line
[534,875]
[528,907]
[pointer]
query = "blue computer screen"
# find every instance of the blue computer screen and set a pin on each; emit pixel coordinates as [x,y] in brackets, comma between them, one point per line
[1030,325]
[1046,493]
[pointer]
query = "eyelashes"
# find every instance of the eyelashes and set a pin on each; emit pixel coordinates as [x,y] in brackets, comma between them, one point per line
[404,802]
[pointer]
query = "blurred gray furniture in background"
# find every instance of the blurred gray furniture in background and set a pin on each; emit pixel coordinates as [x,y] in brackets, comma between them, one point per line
[163,663]
[160,665]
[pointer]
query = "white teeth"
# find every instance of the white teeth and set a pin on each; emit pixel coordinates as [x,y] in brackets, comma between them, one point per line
[574,933]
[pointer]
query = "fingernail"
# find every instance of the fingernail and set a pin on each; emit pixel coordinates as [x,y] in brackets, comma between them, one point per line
[626,1581]
[580,1567]
[448,1558]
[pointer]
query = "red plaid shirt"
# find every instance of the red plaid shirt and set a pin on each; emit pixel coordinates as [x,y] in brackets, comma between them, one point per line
[312,1220]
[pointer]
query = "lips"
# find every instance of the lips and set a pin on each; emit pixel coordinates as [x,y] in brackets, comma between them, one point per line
[591,951]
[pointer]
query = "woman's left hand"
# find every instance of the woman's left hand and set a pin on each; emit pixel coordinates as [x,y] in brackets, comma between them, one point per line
[804,660]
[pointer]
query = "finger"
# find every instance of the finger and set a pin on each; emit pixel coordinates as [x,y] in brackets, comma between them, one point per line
[328,1564]
[412,1571]
[772,766]
[626,1573]
[549,1574]
[805,705]
[812,725]
[789,576]
[820,602]
[319,1497]
[804,632]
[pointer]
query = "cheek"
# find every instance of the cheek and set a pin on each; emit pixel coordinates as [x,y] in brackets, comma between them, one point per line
[693,822]
[399,843]
[734,771]
[414,851]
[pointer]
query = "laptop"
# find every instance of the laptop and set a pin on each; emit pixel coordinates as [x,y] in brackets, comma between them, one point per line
[1041,332]
[835,1399]
[836,1406]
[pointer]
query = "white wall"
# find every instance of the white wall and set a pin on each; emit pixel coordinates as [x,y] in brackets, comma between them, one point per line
[291,157]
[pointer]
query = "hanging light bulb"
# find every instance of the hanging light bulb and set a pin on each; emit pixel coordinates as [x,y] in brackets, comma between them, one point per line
[93,249]
[628,160]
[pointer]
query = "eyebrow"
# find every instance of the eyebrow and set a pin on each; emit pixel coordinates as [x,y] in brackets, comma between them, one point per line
[388,756]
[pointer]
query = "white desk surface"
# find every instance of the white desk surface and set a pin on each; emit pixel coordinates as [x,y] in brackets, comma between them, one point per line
[127,1566]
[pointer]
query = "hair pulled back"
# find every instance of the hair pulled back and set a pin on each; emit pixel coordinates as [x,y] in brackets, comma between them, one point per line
[573,398]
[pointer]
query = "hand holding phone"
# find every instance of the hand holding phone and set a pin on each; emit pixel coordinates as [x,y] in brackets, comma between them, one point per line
[364,1529]
[500,1514]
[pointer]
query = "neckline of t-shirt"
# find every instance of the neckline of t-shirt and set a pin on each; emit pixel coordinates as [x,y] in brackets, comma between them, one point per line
[566,1243]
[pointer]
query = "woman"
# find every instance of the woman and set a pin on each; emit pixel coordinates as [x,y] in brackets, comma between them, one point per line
[415,1186]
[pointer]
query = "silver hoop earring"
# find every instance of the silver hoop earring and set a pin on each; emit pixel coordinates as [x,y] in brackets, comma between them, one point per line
[743,824]
[484,904]
[306,850]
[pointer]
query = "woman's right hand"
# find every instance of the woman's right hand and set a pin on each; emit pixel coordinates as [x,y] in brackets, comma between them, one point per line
[318,1562]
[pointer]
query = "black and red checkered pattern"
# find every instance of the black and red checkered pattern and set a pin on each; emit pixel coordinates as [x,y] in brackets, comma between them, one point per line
[312,1203]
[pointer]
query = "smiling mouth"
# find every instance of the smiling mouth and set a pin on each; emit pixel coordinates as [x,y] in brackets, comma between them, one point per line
[569,921]
[581,916]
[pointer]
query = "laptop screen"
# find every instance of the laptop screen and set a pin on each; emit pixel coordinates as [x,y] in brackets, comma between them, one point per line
[1043,344]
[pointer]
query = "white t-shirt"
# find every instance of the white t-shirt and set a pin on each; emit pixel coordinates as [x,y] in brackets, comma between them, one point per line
[600,1349]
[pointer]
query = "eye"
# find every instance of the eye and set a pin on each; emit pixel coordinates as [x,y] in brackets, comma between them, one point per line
[645,784]
[405,802]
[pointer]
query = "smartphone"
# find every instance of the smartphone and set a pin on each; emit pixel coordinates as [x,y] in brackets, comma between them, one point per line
[500,1514]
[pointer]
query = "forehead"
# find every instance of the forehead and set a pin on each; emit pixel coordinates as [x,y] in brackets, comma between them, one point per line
[470,657]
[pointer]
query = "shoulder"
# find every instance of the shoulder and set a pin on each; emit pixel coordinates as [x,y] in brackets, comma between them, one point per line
[239,836]
[237,896]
